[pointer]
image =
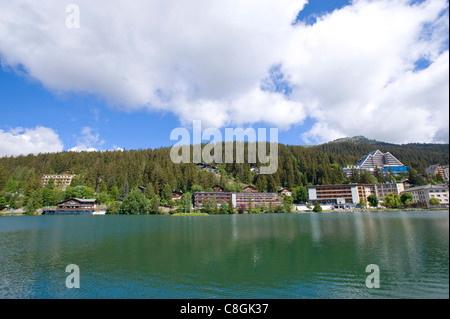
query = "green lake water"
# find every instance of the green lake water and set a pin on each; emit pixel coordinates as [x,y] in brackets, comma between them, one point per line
[317,255]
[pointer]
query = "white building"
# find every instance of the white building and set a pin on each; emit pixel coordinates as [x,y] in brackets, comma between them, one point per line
[61,180]
[423,194]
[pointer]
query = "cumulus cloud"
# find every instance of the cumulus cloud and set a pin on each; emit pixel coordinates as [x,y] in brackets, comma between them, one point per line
[352,72]
[24,141]
[88,141]
[358,74]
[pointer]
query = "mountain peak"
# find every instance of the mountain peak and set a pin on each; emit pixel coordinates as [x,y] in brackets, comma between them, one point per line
[358,139]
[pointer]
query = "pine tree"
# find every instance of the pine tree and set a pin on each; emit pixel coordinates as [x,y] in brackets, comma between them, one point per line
[317,208]
[123,192]
[114,193]
[250,205]
[167,193]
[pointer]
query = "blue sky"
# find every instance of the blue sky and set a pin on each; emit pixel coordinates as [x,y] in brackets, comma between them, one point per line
[304,88]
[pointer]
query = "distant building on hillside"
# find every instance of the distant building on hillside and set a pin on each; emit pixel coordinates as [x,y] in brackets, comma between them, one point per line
[207,167]
[218,188]
[385,162]
[177,195]
[61,180]
[285,191]
[437,169]
[250,189]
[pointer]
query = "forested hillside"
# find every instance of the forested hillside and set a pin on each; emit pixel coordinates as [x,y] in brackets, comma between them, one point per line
[298,165]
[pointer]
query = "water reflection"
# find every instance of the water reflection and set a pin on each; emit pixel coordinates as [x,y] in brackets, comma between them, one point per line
[239,256]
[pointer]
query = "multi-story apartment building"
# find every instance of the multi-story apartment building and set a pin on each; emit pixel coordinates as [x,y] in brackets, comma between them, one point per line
[258,199]
[237,199]
[61,180]
[423,194]
[340,196]
[201,198]
[437,169]
[382,190]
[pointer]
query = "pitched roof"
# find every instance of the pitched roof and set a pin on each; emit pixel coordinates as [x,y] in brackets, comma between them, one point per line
[430,170]
[81,200]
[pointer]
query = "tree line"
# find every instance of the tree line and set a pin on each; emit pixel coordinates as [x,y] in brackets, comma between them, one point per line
[111,176]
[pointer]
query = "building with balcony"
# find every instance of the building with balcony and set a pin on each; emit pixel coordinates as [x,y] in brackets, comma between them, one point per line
[340,196]
[61,180]
[237,199]
[382,190]
[258,199]
[72,206]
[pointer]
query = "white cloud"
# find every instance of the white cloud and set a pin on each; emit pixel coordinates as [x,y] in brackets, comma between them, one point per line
[88,141]
[24,141]
[351,71]
[357,75]
[117,148]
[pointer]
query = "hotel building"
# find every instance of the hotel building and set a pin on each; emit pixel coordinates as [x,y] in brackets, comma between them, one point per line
[61,180]
[340,196]
[385,162]
[237,199]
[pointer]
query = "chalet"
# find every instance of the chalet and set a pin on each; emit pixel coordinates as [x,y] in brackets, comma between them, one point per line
[207,167]
[73,206]
[177,195]
[250,189]
[285,191]
[217,188]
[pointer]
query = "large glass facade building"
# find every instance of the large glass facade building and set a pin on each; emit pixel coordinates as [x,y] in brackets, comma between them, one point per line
[385,162]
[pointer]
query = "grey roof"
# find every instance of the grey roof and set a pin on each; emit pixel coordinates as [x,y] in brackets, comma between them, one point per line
[81,200]
[430,170]
[427,187]
[86,200]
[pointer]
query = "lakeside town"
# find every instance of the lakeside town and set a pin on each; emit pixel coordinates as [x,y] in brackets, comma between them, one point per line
[246,199]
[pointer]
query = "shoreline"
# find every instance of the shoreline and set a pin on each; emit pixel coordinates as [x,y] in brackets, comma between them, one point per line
[16,214]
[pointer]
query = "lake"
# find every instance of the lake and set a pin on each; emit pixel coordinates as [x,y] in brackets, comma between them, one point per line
[307,255]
